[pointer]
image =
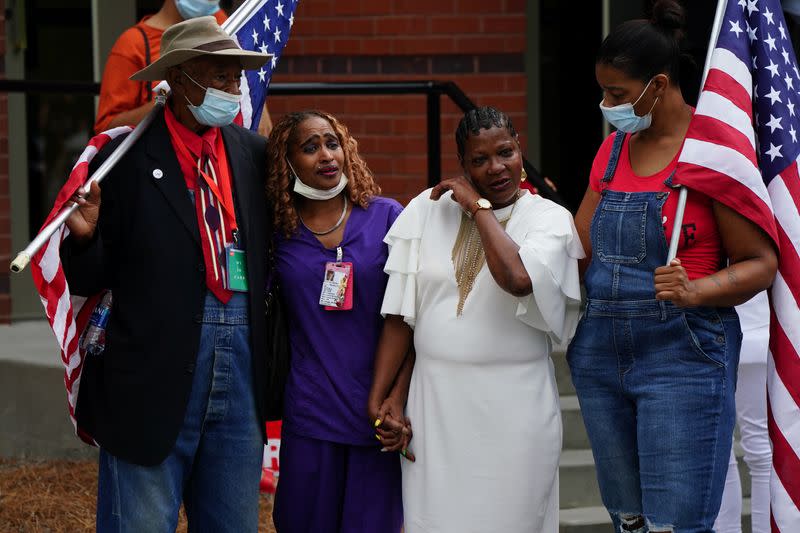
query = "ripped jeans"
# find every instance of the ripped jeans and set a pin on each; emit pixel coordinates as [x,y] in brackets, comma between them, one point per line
[656,389]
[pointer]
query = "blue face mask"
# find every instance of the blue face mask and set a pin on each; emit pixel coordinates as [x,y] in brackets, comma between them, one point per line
[624,118]
[218,108]
[190,9]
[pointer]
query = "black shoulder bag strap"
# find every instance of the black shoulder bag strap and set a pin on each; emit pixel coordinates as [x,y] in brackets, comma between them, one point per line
[146,61]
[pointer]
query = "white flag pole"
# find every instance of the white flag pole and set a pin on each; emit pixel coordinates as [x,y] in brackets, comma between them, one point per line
[676,226]
[241,15]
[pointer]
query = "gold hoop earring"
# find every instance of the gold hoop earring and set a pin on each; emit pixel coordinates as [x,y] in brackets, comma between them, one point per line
[524,175]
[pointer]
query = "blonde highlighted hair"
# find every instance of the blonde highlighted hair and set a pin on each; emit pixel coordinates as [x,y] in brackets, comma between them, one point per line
[361,186]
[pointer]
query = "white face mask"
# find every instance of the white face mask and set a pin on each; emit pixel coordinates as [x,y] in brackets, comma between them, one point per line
[624,118]
[317,194]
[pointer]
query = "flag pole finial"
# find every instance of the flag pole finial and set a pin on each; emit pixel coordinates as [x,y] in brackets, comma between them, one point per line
[20,262]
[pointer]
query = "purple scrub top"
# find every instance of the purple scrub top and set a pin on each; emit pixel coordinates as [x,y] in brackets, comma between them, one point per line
[333,351]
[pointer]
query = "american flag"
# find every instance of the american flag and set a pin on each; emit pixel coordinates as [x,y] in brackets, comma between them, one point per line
[257,24]
[753,79]
[68,314]
[261,26]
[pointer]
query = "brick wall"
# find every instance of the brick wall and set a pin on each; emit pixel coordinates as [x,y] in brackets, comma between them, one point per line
[5,206]
[479,45]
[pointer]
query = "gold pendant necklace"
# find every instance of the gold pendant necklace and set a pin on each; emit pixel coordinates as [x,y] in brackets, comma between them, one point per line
[468,255]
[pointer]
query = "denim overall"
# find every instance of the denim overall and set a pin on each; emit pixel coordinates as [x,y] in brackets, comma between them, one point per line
[215,466]
[655,382]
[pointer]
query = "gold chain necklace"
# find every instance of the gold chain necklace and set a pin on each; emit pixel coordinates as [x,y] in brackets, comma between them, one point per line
[468,255]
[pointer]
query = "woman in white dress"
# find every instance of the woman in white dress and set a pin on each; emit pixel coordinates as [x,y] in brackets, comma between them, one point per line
[483,277]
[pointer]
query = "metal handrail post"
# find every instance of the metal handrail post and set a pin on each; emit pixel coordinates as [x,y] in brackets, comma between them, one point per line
[434,105]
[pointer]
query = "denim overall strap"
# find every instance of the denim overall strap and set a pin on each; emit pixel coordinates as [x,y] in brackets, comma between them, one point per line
[613,159]
[628,242]
[668,182]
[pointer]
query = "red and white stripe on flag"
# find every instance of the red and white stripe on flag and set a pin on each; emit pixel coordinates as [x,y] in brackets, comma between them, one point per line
[68,314]
[783,375]
[742,149]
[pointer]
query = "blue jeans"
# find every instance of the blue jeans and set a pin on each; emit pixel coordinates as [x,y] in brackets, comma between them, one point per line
[656,389]
[215,466]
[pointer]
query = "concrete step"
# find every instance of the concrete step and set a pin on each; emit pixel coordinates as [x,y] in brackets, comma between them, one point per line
[596,519]
[574,437]
[34,415]
[33,403]
[563,379]
[578,479]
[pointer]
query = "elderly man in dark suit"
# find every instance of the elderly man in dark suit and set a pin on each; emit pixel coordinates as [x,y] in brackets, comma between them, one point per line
[176,400]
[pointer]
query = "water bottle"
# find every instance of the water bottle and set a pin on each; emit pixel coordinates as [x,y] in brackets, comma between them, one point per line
[93,340]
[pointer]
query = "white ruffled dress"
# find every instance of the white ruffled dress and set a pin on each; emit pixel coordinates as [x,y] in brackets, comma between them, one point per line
[483,401]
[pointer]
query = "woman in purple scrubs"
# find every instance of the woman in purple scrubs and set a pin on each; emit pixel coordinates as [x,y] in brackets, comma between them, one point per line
[330,254]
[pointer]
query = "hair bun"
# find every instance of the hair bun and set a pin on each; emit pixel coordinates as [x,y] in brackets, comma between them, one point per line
[670,16]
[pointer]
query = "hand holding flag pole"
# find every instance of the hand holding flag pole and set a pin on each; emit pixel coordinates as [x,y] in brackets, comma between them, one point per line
[23,258]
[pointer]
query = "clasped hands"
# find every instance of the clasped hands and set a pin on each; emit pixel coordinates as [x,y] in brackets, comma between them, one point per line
[392,427]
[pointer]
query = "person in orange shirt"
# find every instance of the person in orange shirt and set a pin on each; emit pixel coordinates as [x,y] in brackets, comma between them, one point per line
[126,102]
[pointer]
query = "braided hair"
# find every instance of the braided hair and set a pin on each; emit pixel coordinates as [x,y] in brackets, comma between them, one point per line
[480,118]
[361,186]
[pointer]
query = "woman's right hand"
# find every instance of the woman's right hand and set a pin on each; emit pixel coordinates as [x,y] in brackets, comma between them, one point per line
[464,192]
[393,428]
[82,223]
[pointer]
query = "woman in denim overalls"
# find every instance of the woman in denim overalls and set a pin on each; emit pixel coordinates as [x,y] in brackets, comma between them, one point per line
[654,357]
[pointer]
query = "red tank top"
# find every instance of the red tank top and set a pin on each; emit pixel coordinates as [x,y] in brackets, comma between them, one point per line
[700,247]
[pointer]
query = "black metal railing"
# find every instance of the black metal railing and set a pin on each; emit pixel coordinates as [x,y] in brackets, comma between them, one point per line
[433,90]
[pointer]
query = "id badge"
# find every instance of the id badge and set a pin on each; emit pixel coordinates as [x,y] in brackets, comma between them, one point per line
[237,269]
[337,287]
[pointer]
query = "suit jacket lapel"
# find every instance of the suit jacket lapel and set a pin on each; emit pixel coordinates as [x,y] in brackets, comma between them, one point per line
[167,175]
[241,172]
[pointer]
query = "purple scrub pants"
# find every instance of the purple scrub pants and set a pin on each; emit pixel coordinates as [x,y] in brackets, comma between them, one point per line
[326,487]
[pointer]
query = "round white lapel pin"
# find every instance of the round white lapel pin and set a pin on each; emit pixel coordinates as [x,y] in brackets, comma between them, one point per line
[157,174]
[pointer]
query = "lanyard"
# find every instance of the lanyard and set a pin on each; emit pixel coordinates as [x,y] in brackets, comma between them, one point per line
[224,195]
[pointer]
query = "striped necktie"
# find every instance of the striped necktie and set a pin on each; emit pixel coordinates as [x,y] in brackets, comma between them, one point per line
[215,231]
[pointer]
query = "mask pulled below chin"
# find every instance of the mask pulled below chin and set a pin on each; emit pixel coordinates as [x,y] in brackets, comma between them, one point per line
[318,194]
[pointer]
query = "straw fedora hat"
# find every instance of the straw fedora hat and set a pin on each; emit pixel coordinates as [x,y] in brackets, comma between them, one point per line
[193,38]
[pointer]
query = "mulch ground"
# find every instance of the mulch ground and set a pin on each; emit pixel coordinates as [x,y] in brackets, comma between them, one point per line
[60,497]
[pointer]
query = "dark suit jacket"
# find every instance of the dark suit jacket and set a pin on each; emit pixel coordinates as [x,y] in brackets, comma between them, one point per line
[133,397]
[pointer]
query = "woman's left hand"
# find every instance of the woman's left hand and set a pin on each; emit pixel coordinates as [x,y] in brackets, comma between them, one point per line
[673,284]
[393,428]
[463,192]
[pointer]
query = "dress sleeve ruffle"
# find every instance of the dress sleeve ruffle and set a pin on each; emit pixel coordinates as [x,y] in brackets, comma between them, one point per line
[402,264]
[549,252]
